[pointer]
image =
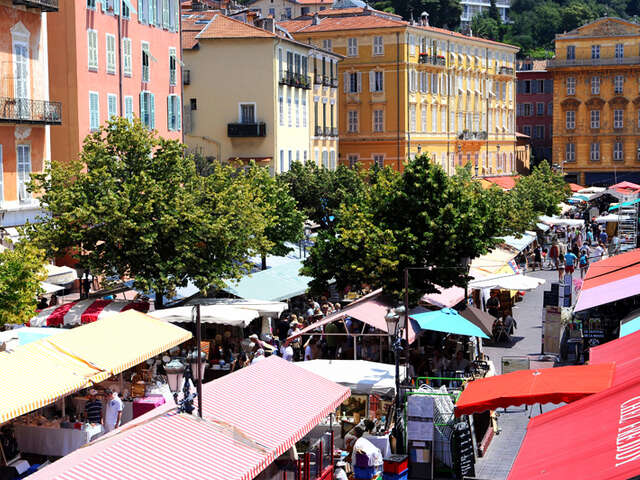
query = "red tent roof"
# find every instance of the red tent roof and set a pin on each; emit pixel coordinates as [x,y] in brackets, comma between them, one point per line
[575,187]
[549,385]
[251,417]
[624,352]
[593,438]
[611,266]
[625,187]
[506,182]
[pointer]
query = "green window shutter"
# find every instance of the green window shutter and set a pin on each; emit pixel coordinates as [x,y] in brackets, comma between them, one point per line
[152,109]
[169,111]
[143,110]
[178,109]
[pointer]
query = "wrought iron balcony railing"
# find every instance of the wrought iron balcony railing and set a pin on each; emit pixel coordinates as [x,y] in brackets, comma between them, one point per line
[334,131]
[43,5]
[256,129]
[591,62]
[334,82]
[319,131]
[294,79]
[505,71]
[431,60]
[22,110]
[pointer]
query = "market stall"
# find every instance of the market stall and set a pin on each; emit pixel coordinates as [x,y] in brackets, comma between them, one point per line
[84,311]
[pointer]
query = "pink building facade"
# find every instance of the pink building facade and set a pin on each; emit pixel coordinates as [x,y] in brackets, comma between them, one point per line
[115,58]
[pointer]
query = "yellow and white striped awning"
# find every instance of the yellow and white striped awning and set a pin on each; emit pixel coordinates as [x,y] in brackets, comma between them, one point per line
[43,371]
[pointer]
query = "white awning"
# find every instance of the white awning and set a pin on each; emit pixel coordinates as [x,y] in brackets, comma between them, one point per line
[218,314]
[60,275]
[561,221]
[264,308]
[507,282]
[50,287]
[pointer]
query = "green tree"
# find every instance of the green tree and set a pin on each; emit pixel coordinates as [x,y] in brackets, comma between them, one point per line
[21,271]
[494,13]
[421,217]
[484,26]
[319,192]
[133,206]
[284,222]
[543,188]
[442,13]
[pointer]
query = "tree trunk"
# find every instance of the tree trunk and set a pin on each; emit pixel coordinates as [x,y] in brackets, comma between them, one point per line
[264,261]
[158,302]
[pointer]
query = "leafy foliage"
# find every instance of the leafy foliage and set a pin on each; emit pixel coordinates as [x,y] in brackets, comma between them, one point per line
[21,271]
[543,188]
[442,13]
[133,206]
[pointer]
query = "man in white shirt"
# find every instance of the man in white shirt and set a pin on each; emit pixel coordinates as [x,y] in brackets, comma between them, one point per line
[112,411]
[287,353]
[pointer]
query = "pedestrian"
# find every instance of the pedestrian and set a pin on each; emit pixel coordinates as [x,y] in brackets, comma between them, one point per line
[560,269]
[258,356]
[54,300]
[598,252]
[603,236]
[42,304]
[333,340]
[93,408]
[112,411]
[584,263]
[308,349]
[569,262]
[283,328]
[493,304]
[537,258]
[554,254]
[590,237]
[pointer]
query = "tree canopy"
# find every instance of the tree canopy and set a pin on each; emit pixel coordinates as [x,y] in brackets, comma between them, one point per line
[21,271]
[543,188]
[442,13]
[134,206]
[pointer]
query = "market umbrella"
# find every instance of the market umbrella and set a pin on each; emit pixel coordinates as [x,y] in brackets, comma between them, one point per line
[482,320]
[630,323]
[447,320]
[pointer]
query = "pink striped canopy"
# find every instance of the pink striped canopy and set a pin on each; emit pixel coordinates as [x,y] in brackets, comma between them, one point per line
[251,417]
[84,311]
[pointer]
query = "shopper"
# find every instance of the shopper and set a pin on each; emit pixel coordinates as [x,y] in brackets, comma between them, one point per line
[93,408]
[569,262]
[584,263]
[112,412]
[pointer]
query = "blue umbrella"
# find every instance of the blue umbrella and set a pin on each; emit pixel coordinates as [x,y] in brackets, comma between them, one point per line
[447,320]
[629,327]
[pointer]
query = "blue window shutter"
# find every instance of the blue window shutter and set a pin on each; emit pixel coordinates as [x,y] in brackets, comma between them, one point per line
[142,109]
[152,113]
[178,110]
[169,110]
[140,11]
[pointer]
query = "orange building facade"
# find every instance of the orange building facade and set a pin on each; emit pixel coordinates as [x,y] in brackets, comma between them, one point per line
[26,113]
[111,59]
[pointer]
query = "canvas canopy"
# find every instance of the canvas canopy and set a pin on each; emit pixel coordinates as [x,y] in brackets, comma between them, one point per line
[447,298]
[508,282]
[570,222]
[216,314]
[277,283]
[264,308]
[83,311]
[362,377]
[447,320]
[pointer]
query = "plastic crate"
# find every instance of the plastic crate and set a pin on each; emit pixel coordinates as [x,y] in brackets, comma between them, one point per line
[365,473]
[396,476]
[395,464]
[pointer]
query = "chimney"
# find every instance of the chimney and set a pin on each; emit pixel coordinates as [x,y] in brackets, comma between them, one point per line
[315,20]
[268,24]
[425,19]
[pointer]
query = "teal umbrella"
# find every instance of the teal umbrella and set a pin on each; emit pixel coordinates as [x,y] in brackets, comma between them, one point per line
[624,204]
[447,320]
[629,326]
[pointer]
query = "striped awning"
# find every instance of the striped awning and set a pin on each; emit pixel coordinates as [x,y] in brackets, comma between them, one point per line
[84,311]
[43,371]
[251,417]
[120,341]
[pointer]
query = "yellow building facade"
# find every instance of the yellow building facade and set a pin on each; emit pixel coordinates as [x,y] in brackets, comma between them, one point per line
[409,89]
[596,114]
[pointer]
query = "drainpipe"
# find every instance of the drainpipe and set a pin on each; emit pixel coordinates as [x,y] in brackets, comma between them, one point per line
[448,125]
[119,19]
[398,94]
[181,79]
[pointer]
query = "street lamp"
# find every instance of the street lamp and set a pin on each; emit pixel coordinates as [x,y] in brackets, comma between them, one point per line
[394,325]
[180,375]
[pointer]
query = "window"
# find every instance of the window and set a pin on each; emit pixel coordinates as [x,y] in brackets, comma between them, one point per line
[289,112]
[540,84]
[143,6]
[618,118]
[376,81]
[128,108]
[327,45]
[378,46]
[281,160]
[287,12]
[527,109]
[378,161]
[304,112]
[618,84]
[165,14]
[594,116]
[353,80]
[247,112]
[378,120]
[173,66]
[618,151]
[91,4]
[550,109]
[538,131]
[539,109]
[595,51]
[148,109]
[570,152]
[353,160]
[352,47]
[126,13]
[281,110]
[595,85]
[325,159]
[619,50]
[527,130]
[24,172]
[352,121]
[145,62]
[571,86]
[290,158]
[92,46]
[112,105]
[526,86]
[174,106]
[570,119]
[571,52]
[126,56]
[423,118]
[332,159]
[94,111]
[111,53]
[412,118]
[595,152]
[297,102]
[272,12]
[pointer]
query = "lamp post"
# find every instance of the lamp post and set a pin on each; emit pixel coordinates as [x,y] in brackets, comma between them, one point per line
[393,322]
[177,374]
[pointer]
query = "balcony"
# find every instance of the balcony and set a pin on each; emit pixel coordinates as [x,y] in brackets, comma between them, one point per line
[186,77]
[327,131]
[22,110]
[468,135]
[334,82]
[334,131]
[505,71]
[591,62]
[427,59]
[319,131]
[297,80]
[43,5]
[239,130]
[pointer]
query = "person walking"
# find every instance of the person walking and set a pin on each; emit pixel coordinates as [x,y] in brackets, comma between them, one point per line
[584,263]
[112,411]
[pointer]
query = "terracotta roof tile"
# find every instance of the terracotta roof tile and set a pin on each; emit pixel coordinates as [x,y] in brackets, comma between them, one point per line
[315,2]
[293,26]
[189,40]
[357,11]
[225,27]
[357,22]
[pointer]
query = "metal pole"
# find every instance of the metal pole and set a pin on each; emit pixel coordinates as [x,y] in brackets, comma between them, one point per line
[199,360]
[406,304]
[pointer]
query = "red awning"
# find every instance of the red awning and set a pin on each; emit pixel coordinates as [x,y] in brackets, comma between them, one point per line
[447,298]
[593,438]
[549,385]
[369,309]
[624,352]
[575,187]
[250,418]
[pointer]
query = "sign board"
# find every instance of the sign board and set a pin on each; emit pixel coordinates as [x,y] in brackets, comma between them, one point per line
[513,364]
[551,330]
[420,436]
[464,459]
[593,336]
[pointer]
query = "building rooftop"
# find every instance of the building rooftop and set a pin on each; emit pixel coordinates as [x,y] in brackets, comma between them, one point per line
[536,65]
[221,26]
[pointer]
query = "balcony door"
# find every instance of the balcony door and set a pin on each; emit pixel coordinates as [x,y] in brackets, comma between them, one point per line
[247,113]
[21,78]
[24,172]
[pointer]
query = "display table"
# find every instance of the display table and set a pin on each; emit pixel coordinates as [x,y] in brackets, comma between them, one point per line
[382,442]
[146,404]
[52,441]
[127,408]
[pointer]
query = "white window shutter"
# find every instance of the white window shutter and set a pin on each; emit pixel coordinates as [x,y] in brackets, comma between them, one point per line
[152,110]
[178,111]
[169,113]
[359,82]
[345,82]
[142,109]
[372,81]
